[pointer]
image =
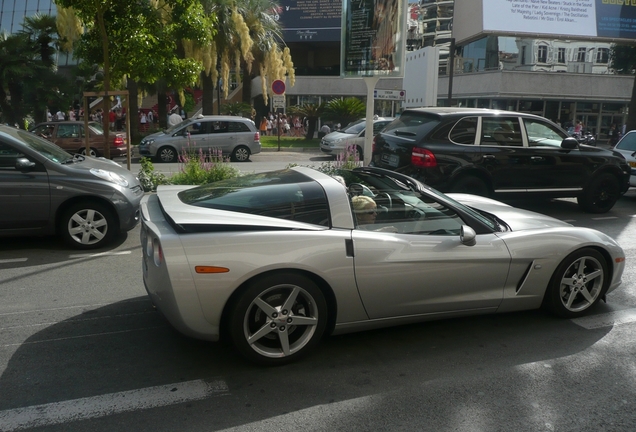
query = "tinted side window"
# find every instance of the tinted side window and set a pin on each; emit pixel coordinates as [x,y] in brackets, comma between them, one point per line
[464,131]
[68,131]
[541,134]
[8,156]
[501,131]
[283,195]
[237,127]
[218,127]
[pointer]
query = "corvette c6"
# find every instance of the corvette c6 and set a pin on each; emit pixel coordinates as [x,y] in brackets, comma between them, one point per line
[275,261]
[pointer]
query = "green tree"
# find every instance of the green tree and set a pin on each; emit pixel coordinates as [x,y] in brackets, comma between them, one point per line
[623,61]
[345,110]
[136,40]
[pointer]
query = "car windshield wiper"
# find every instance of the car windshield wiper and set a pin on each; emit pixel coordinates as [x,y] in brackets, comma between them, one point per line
[76,158]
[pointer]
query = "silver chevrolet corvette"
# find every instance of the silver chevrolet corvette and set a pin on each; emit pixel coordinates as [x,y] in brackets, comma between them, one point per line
[275,261]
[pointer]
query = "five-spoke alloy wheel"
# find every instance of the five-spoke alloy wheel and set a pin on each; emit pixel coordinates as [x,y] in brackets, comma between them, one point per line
[578,283]
[278,319]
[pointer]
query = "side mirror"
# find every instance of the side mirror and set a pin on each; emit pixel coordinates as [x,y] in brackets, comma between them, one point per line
[23,164]
[467,236]
[569,143]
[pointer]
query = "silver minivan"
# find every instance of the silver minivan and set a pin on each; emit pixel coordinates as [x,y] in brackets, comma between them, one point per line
[236,137]
[87,201]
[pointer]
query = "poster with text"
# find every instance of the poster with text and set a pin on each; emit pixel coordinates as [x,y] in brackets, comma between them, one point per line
[310,20]
[373,38]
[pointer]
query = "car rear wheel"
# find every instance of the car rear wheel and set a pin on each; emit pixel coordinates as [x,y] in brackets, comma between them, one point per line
[601,194]
[167,154]
[278,319]
[470,185]
[92,152]
[577,284]
[88,225]
[241,154]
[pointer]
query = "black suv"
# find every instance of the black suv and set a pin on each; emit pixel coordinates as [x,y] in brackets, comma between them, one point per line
[500,153]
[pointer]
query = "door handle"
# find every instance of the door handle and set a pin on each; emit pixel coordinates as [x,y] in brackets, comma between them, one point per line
[536,158]
[488,156]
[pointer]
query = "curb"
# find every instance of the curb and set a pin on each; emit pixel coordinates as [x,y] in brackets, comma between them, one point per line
[291,149]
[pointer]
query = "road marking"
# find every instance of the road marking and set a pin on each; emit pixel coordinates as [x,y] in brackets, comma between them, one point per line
[14,260]
[82,336]
[607,319]
[605,218]
[99,254]
[108,404]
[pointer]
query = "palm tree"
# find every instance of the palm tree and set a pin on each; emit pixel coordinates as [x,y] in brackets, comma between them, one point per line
[345,110]
[311,113]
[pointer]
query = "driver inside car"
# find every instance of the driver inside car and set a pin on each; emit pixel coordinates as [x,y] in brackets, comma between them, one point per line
[366,210]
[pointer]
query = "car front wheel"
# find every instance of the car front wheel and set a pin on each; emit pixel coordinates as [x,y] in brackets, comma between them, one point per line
[167,154]
[577,284]
[601,194]
[278,319]
[88,225]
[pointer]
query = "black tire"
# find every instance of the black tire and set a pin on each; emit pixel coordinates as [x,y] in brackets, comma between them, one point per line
[578,283]
[241,154]
[88,225]
[287,332]
[92,152]
[167,154]
[360,152]
[601,194]
[470,185]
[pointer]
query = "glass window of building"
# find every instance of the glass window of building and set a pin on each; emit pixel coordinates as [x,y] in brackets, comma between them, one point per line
[543,54]
[602,55]
[561,56]
[581,54]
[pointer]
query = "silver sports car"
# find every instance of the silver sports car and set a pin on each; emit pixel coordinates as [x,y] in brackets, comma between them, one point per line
[275,261]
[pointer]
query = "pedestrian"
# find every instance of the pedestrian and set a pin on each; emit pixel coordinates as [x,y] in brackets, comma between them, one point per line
[143,120]
[111,119]
[263,126]
[49,116]
[59,115]
[71,114]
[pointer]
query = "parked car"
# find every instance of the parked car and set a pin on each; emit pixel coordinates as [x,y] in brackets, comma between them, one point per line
[236,137]
[351,136]
[45,190]
[276,260]
[627,147]
[69,135]
[501,154]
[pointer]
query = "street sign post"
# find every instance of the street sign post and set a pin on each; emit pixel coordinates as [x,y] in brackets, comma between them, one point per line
[389,94]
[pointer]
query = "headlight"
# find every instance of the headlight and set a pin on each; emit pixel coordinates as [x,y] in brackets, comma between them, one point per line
[147,142]
[110,176]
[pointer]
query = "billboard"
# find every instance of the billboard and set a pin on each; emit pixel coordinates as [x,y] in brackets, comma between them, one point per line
[604,20]
[373,38]
[310,20]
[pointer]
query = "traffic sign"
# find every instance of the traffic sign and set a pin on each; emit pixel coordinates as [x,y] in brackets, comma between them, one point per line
[389,94]
[278,87]
[278,101]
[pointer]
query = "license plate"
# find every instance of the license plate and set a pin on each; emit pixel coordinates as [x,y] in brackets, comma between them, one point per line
[390,160]
[632,164]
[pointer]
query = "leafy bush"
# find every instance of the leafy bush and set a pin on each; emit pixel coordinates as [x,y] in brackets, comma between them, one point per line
[201,168]
[149,178]
[344,163]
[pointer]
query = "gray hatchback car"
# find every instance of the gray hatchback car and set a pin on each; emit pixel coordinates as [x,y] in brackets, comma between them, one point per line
[236,137]
[45,190]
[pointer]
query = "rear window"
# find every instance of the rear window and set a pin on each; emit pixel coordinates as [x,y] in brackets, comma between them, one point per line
[412,124]
[284,194]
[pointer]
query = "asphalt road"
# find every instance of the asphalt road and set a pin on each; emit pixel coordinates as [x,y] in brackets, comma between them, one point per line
[82,349]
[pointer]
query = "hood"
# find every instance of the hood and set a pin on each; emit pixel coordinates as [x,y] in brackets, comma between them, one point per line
[84,166]
[517,219]
[184,214]
[335,136]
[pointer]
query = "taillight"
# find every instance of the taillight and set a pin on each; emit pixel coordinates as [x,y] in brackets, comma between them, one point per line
[257,136]
[118,141]
[423,158]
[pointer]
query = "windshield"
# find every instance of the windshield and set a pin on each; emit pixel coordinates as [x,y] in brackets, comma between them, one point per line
[355,127]
[627,143]
[42,146]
